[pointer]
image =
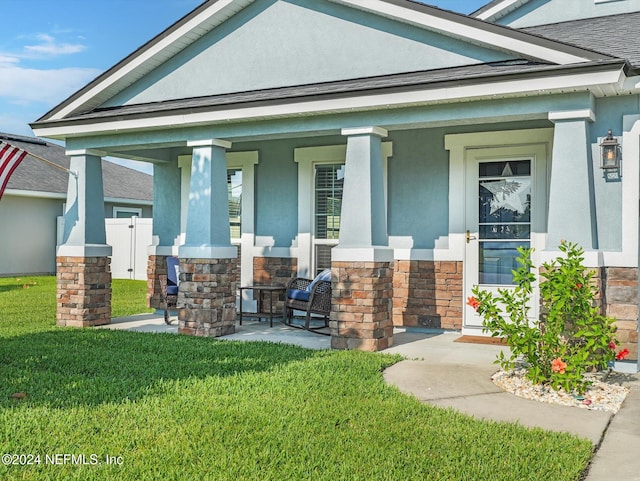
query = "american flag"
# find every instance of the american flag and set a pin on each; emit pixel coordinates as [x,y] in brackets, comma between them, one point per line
[10,158]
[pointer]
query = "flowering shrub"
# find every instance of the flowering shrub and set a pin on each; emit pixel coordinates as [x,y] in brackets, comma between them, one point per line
[570,339]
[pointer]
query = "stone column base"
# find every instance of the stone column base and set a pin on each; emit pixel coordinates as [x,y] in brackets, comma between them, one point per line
[207,297]
[621,301]
[156,266]
[83,291]
[361,305]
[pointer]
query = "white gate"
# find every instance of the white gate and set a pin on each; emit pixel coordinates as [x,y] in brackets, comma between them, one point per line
[129,240]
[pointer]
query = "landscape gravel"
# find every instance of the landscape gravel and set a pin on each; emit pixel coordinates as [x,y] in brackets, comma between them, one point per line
[602,395]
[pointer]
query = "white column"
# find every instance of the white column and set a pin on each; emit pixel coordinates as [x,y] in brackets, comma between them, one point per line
[166,208]
[363,220]
[84,227]
[571,201]
[208,235]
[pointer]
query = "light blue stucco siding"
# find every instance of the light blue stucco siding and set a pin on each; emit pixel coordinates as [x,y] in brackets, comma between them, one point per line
[539,12]
[295,42]
[607,186]
[418,186]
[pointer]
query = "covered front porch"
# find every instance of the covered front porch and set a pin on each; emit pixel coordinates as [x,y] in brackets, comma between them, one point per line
[391,210]
[413,179]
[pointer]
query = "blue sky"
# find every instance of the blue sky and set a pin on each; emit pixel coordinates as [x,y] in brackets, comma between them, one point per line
[51,48]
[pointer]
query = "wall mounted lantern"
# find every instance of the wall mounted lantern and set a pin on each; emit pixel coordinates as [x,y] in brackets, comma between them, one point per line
[610,152]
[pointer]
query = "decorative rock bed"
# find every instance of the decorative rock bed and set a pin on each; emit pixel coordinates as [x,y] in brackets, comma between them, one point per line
[602,395]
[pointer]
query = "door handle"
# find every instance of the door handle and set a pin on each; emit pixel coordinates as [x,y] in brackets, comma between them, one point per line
[470,237]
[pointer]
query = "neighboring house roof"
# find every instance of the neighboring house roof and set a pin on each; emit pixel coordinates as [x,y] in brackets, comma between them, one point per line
[33,175]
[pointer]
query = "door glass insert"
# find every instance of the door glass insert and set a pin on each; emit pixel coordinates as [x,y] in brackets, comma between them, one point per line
[504,218]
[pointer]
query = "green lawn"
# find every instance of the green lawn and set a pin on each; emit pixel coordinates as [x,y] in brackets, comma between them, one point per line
[180,408]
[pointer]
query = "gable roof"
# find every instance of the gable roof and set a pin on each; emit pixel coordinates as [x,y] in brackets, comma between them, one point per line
[33,175]
[213,13]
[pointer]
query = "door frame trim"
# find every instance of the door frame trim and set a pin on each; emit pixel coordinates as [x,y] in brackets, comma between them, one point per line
[461,147]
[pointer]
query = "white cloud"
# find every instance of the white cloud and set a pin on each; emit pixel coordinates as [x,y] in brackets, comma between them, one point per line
[49,46]
[8,59]
[20,85]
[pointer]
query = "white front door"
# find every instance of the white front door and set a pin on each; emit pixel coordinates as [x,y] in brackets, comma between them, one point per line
[501,215]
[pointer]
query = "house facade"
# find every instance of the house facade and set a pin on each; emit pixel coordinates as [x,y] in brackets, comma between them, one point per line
[34,202]
[410,149]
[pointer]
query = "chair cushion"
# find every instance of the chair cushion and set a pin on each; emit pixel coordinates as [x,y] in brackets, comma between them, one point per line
[172,290]
[173,270]
[325,275]
[298,295]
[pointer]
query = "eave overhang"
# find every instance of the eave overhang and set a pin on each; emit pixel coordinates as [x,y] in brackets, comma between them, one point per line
[400,91]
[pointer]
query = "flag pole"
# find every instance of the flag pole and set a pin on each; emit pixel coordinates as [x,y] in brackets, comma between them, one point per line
[75,174]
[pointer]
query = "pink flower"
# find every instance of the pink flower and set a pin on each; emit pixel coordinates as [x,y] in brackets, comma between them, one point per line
[558,365]
[473,302]
[622,354]
[612,346]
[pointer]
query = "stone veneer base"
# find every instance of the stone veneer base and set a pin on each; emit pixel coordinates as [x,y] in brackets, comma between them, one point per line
[620,299]
[83,287]
[361,305]
[428,294]
[207,297]
[156,266]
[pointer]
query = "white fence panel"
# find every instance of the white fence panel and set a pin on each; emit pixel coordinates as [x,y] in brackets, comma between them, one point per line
[129,239]
[120,237]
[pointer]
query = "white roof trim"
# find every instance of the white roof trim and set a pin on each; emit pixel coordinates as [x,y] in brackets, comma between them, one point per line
[36,194]
[120,200]
[466,32]
[164,49]
[609,80]
[500,10]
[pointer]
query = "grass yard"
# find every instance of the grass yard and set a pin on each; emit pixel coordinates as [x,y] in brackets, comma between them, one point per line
[150,407]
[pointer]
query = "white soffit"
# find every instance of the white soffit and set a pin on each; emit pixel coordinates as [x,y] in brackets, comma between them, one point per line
[600,83]
[476,35]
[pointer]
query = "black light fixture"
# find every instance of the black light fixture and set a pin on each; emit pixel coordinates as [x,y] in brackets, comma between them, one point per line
[610,152]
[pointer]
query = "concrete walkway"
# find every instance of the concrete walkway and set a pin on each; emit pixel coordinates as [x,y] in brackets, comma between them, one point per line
[445,373]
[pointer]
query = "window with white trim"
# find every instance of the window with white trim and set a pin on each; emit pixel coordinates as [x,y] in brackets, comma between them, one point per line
[126,212]
[328,187]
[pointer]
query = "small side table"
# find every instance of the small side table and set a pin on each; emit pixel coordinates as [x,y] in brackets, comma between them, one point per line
[263,291]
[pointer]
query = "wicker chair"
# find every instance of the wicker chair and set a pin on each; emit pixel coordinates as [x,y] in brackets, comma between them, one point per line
[169,286]
[310,296]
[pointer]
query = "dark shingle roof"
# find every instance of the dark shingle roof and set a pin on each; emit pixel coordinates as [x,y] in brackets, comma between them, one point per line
[616,35]
[455,76]
[35,175]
